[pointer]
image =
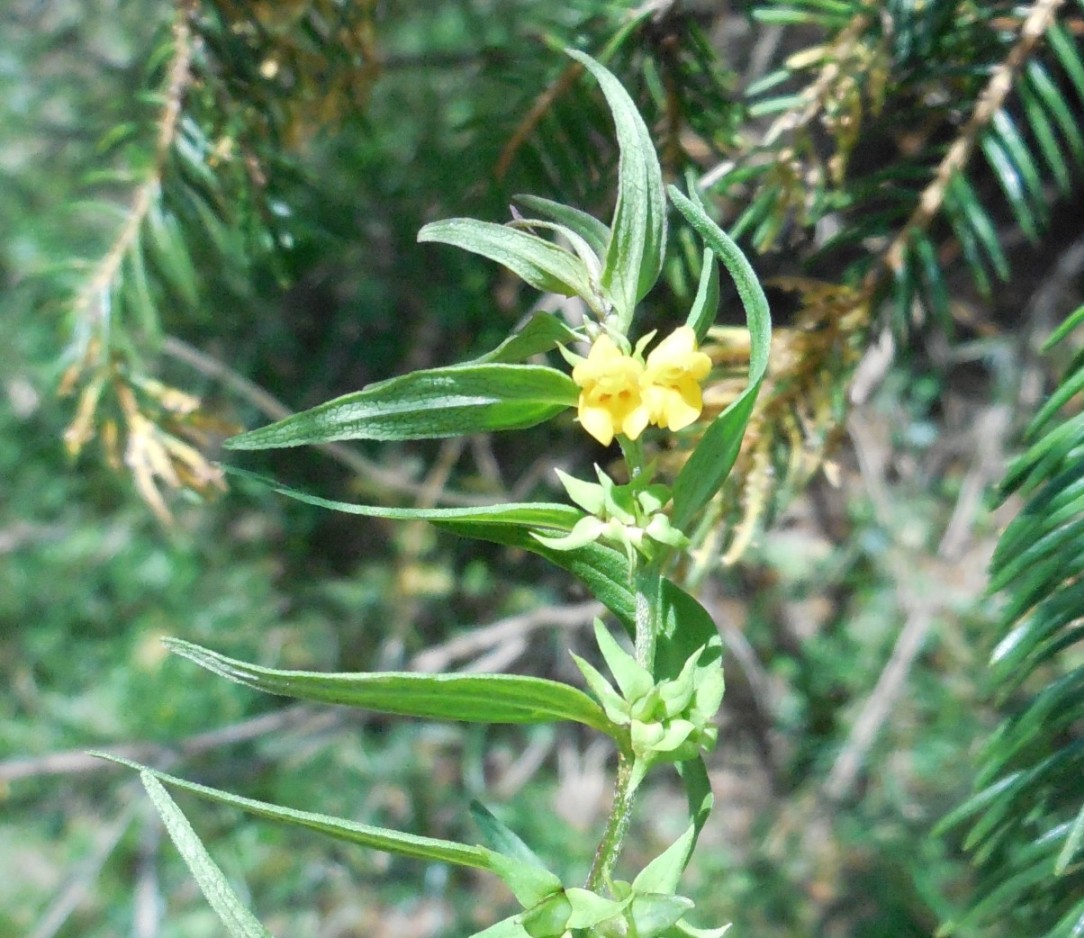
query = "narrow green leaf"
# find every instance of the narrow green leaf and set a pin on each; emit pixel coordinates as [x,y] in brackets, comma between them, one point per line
[1004,127]
[377,838]
[604,570]
[533,515]
[439,402]
[1011,182]
[239,921]
[706,303]
[583,250]
[169,251]
[593,231]
[541,263]
[1073,843]
[969,245]
[1041,127]
[530,884]
[1070,387]
[962,195]
[1073,320]
[933,279]
[710,463]
[472,698]
[1068,55]
[638,233]
[1064,116]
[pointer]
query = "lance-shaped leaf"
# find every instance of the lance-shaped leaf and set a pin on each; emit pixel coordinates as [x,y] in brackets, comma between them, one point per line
[706,304]
[710,463]
[366,835]
[638,233]
[602,569]
[532,515]
[539,262]
[529,883]
[239,921]
[472,698]
[430,404]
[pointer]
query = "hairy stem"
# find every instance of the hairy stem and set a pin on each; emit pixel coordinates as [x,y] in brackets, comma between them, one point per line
[617,826]
[628,773]
[646,618]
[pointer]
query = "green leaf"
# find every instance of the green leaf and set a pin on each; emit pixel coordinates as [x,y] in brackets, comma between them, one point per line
[961,197]
[543,333]
[638,233]
[531,515]
[593,231]
[1047,90]
[1012,184]
[472,698]
[1043,130]
[439,402]
[541,263]
[685,627]
[1068,55]
[239,921]
[169,251]
[663,874]
[1072,846]
[707,468]
[694,774]
[377,838]
[706,303]
[604,570]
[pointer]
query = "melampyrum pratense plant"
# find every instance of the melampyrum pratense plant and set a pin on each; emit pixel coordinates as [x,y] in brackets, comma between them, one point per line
[620,535]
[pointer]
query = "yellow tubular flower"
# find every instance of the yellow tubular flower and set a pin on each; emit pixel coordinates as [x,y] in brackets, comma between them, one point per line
[670,384]
[610,400]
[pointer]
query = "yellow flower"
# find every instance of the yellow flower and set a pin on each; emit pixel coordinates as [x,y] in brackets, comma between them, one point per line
[610,400]
[670,384]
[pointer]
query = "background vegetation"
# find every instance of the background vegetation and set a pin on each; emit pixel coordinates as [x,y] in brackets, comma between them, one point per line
[210,213]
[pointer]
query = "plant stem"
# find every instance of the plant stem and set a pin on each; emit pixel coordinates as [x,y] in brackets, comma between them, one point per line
[616,827]
[646,625]
[628,778]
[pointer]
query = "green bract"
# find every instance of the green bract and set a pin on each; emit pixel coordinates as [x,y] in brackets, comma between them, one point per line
[627,516]
[669,720]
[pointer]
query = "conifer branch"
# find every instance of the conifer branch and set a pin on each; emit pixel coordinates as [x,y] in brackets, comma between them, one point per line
[1039,19]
